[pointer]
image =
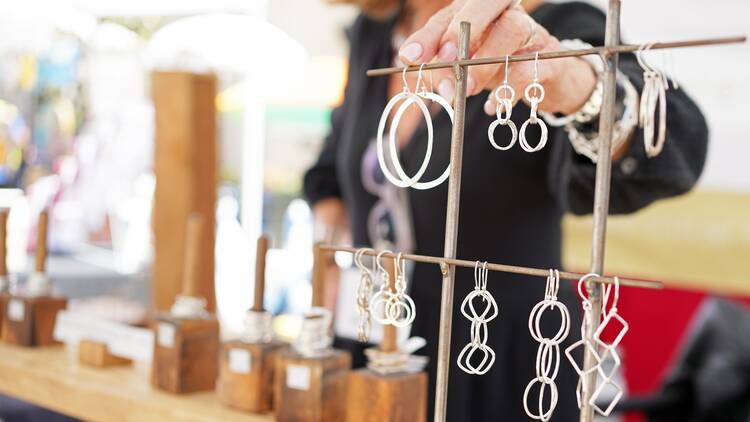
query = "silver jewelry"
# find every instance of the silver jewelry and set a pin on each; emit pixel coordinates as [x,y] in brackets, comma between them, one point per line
[548,354]
[591,109]
[610,349]
[478,325]
[504,102]
[583,388]
[364,292]
[401,179]
[533,119]
[400,307]
[379,301]
[654,93]
[623,128]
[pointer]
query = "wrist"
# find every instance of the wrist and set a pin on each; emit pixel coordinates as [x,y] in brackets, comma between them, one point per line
[578,84]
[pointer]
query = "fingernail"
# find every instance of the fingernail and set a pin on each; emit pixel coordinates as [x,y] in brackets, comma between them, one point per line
[488,108]
[448,52]
[411,52]
[446,90]
[470,85]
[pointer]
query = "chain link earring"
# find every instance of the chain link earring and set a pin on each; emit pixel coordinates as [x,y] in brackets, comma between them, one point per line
[504,103]
[533,119]
[478,325]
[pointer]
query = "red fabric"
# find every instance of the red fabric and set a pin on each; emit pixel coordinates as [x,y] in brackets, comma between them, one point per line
[658,320]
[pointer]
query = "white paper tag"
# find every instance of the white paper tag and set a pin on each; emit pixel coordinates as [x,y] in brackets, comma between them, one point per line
[16,310]
[165,334]
[298,377]
[240,361]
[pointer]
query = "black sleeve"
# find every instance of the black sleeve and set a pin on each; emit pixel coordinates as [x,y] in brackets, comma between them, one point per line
[321,181]
[637,180]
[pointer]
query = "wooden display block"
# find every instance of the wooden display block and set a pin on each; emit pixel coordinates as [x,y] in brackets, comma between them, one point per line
[312,389]
[373,397]
[246,375]
[3,302]
[30,321]
[94,353]
[185,354]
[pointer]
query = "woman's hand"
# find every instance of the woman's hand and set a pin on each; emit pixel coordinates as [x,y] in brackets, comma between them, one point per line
[498,30]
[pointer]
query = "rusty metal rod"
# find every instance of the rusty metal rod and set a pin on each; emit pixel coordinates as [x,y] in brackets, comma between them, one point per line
[606,51]
[601,200]
[538,272]
[451,228]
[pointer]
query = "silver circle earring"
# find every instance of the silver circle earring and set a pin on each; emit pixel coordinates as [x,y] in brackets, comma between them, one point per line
[533,119]
[504,104]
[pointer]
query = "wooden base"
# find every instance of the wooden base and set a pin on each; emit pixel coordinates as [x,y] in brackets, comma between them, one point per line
[185,354]
[97,354]
[311,389]
[373,397]
[30,321]
[246,375]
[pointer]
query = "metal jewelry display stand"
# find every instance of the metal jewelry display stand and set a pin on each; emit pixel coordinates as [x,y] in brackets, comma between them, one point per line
[448,262]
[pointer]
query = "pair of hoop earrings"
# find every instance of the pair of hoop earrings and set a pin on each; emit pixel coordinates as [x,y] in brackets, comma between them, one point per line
[364,292]
[654,93]
[548,353]
[479,322]
[394,307]
[608,349]
[505,96]
[407,98]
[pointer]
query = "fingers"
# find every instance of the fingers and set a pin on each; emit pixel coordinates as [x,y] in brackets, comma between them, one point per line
[423,45]
[505,36]
[480,14]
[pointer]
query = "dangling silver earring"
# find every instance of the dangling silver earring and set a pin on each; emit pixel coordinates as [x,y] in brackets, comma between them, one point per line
[422,92]
[364,292]
[654,93]
[548,354]
[505,102]
[478,325]
[400,308]
[533,119]
[379,301]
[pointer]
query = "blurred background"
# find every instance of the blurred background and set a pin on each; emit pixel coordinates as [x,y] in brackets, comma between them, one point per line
[78,105]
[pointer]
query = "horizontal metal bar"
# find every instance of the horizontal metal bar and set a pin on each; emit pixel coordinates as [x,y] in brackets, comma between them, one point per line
[560,54]
[645,284]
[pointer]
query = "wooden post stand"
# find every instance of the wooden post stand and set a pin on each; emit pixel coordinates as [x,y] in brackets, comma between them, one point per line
[94,353]
[30,320]
[312,389]
[186,348]
[396,397]
[246,368]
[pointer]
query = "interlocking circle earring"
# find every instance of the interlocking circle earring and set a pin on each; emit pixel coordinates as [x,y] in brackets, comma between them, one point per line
[504,96]
[428,95]
[548,354]
[400,307]
[533,118]
[479,322]
[379,301]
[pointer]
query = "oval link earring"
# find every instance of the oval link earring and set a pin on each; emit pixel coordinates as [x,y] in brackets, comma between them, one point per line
[504,103]
[423,93]
[533,119]
[412,98]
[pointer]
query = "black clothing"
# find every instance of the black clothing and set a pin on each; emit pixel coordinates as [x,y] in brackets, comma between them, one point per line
[512,203]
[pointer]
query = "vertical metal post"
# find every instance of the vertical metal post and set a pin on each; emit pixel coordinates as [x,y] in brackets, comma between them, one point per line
[451,227]
[601,195]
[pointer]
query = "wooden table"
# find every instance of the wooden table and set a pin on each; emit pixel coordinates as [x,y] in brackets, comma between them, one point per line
[52,378]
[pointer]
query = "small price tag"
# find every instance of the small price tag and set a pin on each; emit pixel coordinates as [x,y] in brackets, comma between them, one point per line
[298,377]
[16,310]
[240,361]
[165,334]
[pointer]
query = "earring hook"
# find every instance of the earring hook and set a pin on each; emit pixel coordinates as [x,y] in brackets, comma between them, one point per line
[403,77]
[536,72]
[505,80]
[379,261]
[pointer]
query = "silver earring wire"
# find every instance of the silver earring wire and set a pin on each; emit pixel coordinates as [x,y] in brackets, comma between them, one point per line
[506,102]
[533,119]
[479,333]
